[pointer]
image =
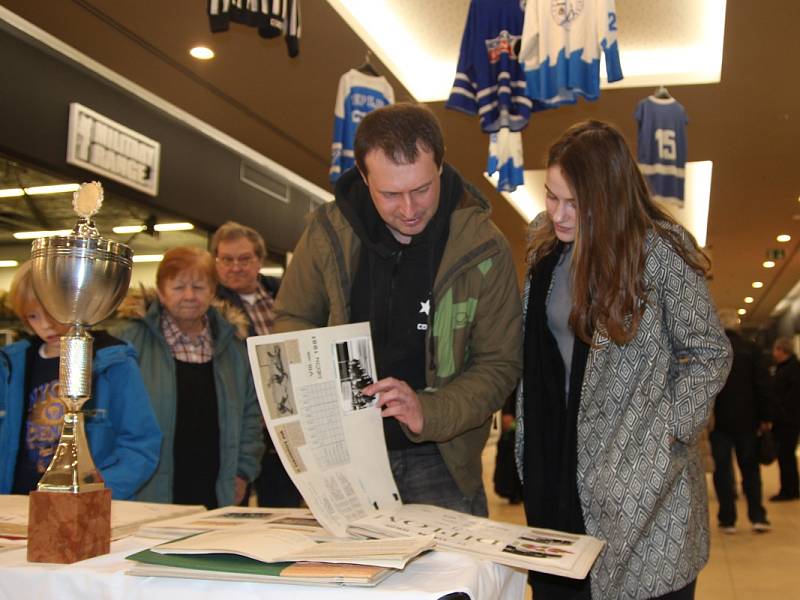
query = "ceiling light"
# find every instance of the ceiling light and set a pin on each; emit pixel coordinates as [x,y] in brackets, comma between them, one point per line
[11,193]
[174,226]
[202,53]
[742,311]
[60,188]
[272,271]
[527,199]
[128,228]
[38,190]
[748,300]
[143,258]
[768,264]
[693,215]
[158,227]
[758,284]
[784,237]
[35,235]
[9,263]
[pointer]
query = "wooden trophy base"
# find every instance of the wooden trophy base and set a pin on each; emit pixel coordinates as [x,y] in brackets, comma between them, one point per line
[64,527]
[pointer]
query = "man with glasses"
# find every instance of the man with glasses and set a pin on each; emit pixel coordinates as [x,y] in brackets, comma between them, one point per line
[239,252]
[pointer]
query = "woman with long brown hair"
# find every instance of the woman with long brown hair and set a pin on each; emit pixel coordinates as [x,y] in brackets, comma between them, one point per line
[623,356]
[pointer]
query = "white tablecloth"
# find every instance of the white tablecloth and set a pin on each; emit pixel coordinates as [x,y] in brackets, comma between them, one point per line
[427,578]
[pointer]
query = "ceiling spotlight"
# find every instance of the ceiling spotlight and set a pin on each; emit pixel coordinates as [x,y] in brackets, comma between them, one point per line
[784,237]
[742,311]
[748,300]
[202,53]
[758,284]
[768,264]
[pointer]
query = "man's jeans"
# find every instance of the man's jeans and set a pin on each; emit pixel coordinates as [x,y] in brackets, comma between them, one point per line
[423,478]
[722,446]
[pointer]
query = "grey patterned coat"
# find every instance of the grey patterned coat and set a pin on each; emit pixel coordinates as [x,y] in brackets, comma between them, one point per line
[643,407]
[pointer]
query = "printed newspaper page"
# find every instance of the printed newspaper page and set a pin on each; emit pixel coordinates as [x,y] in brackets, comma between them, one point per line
[230,517]
[544,550]
[328,434]
[272,543]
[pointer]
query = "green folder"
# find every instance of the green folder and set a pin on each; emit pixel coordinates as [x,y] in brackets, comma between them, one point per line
[227,563]
[232,567]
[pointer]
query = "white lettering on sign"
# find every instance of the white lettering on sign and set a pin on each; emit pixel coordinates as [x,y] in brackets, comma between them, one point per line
[103,146]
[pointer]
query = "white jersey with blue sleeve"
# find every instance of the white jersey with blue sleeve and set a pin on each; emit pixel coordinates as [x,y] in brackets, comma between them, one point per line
[490,81]
[358,95]
[561,45]
[661,149]
[505,158]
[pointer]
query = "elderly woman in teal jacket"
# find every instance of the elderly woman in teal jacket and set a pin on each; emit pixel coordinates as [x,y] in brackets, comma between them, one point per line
[195,367]
[121,428]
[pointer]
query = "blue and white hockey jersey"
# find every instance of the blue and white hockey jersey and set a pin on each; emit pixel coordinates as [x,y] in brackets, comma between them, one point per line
[505,158]
[358,95]
[561,44]
[661,149]
[489,80]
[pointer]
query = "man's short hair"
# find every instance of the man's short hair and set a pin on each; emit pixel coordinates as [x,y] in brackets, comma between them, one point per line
[785,345]
[232,230]
[400,131]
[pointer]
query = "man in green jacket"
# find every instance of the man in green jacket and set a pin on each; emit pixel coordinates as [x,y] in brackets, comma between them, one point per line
[408,246]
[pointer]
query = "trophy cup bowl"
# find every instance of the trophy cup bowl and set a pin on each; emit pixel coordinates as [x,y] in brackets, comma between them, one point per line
[79,279]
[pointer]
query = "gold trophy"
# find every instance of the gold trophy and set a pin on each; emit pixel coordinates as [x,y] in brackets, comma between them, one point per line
[80,279]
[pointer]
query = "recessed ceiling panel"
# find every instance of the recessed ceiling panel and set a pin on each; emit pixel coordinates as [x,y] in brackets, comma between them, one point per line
[669,42]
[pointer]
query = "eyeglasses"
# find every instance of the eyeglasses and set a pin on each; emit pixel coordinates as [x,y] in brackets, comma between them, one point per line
[243,260]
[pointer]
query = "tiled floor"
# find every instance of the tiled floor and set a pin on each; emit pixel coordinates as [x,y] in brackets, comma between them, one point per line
[742,566]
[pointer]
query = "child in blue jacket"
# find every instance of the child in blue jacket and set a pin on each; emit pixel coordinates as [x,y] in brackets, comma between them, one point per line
[123,435]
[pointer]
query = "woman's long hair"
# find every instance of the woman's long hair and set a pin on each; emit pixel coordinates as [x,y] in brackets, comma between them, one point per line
[614,213]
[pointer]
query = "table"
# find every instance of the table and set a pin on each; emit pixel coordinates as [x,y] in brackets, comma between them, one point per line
[430,577]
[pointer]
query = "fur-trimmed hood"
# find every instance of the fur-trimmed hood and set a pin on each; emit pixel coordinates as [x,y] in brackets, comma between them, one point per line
[140,298]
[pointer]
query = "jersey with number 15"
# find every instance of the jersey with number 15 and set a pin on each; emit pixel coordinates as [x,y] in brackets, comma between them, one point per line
[661,149]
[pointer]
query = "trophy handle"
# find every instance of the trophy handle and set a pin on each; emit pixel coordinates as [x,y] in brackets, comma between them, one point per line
[72,468]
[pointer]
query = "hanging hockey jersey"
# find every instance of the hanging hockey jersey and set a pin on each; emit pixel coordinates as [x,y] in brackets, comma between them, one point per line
[358,95]
[505,158]
[661,149]
[561,45]
[489,80]
[271,17]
